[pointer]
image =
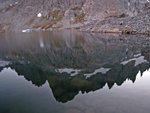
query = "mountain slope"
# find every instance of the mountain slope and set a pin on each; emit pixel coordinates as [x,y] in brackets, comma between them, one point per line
[56,14]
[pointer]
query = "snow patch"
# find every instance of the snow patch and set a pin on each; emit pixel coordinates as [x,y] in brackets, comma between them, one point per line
[100,70]
[26,30]
[39,15]
[72,72]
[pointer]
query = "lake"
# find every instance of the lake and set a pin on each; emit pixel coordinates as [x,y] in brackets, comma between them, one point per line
[74,72]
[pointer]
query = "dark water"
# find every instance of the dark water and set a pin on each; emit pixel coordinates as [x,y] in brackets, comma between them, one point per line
[72,72]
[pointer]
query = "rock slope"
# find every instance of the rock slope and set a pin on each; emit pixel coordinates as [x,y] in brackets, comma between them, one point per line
[86,15]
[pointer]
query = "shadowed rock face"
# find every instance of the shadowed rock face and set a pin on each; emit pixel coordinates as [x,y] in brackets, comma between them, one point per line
[62,13]
[73,61]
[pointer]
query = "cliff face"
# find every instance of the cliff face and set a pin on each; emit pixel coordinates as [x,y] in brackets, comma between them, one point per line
[54,14]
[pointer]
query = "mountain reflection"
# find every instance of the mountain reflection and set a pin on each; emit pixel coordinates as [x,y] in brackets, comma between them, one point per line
[73,61]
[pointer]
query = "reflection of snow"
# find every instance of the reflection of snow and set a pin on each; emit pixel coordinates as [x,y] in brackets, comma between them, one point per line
[138,60]
[129,4]
[137,55]
[73,72]
[26,30]
[41,43]
[101,70]
[3,63]
[39,15]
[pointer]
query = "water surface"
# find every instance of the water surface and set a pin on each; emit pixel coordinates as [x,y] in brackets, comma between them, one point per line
[74,72]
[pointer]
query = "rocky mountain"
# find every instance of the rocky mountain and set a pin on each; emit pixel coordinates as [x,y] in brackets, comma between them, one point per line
[57,14]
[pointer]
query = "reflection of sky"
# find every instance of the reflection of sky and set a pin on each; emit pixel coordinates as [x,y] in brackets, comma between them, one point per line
[129,97]
[144,80]
[18,94]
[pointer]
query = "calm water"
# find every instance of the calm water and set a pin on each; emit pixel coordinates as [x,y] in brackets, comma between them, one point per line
[73,72]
